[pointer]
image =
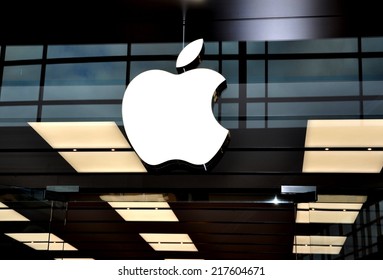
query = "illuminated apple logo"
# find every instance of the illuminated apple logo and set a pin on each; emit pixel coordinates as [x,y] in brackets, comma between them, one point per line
[169,119]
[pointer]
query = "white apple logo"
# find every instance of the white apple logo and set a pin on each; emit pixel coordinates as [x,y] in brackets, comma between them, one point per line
[168,118]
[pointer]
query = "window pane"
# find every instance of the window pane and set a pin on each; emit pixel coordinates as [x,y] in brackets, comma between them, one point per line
[255,47]
[64,51]
[21,83]
[255,113]
[17,115]
[314,46]
[104,80]
[23,52]
[296,114]
[211,47]
[373,109]
[210,64]
[372,76]
[229,114]
[98,112]
[255,78]
[156,49]
[229,47]
[230,72]
[137,67]
[313,77]
[372,44]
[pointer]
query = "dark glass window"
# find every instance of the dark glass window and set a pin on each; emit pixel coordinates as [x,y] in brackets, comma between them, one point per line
[313,77]
[67,51]
[255,78]
[20,83]
[372,44]
[372,76]
[156,49]
[343,45]
[23,52]
[86,112]
[80,81]
[255,115]
[17,115]
[138,67]
[296,114]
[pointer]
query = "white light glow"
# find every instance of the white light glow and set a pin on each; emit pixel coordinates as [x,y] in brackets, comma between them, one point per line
[343,161]
[189,53]
[70,135]
[328,206]
[344,133]
[134,197]
[166,237]
[104,162]
[319,240]
[327,250]
[169,242]
[42,241]
[169,117]
[332,217]
[180,247]
[147,215]
[10,215]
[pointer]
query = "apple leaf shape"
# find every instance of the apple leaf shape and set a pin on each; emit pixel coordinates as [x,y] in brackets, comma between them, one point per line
[189,57]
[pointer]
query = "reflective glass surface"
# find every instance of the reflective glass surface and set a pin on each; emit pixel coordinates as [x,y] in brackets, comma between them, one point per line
[20,83]
[81,81]
[372,76]
[343,45]
[68,51]
[23,52]
[313,77]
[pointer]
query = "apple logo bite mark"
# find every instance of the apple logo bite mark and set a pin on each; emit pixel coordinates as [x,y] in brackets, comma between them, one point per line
[168,118]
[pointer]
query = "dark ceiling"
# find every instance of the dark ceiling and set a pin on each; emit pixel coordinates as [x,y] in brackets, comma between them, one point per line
[161,20]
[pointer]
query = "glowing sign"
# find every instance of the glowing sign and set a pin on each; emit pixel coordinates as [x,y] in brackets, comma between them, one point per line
[169,117]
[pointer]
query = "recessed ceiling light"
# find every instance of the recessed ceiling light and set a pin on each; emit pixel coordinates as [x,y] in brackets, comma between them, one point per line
[169,242]
[184,247]
[147,215]
[10,215]
[343,161]
[331,217]
[137,197]
[319,240]
[142,211]
[75,135]
[104,162]
[327,250]
[42,241]
[344,133]
[166,237]
[329,206]
[330,198]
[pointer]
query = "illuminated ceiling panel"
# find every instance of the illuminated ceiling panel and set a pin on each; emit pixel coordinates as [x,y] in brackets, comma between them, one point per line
[169,242]
[108,162]
[315,244]
[343,161]
[149,207]
[340,209]
[327,250]
[344,133]
[10,215]
[317,216]
[329,134]
[76,135]
[42,241]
